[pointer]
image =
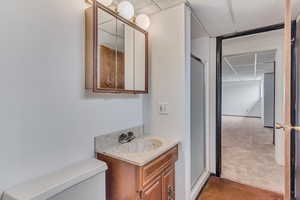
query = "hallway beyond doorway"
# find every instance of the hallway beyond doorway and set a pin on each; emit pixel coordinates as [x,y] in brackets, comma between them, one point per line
[248,154]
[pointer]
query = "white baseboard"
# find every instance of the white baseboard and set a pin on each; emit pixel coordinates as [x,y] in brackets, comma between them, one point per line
[235,115]
[198,186]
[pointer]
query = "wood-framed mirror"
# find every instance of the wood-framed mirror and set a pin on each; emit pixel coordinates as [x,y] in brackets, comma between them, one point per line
[116,53]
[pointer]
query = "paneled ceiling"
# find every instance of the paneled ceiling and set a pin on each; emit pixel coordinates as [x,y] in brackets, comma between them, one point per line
[221,17]
[248,66]
[151,7]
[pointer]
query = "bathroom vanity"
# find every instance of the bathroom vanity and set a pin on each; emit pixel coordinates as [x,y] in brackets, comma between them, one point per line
[141,170]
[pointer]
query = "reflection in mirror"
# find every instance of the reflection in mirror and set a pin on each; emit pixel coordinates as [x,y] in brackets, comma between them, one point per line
[107,37]
[129,58]
[140,61]
[120,65]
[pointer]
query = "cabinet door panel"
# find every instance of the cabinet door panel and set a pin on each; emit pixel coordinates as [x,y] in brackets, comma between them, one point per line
[154,192]
[157,167]
[168,181]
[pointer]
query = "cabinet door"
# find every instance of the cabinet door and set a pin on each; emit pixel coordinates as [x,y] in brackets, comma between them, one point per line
[168,180]
[154,191]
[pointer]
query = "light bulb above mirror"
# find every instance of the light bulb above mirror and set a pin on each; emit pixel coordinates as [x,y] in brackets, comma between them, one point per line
[126,10]
[143,21]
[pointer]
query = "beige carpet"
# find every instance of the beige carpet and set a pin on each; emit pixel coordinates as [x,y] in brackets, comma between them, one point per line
[248,154]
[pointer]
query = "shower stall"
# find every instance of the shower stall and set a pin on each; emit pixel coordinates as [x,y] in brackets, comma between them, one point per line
[198,121]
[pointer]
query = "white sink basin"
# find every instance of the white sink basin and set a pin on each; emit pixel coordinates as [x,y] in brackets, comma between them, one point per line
[141,150]
[138,146]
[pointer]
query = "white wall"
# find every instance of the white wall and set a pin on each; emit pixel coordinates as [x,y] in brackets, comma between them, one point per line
[170,51]
[47,119]
[262,100]
[242,98]
[269,99]
[168,85]
[261,42]
[212,100]
[200,48]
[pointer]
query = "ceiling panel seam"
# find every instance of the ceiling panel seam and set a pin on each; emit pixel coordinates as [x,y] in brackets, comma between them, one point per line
[231,67]
[197,18]
[156,4]
[232,16]
[249,65]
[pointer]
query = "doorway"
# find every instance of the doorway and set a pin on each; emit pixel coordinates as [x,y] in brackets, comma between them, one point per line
[248,120]
[238,119]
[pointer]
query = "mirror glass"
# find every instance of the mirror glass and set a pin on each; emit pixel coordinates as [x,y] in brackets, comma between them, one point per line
[106,70]
[120,53]
[140,61]
[121,59]
[129,57]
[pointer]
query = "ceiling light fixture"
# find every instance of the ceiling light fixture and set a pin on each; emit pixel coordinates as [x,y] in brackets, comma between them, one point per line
[143,21]
[126,10]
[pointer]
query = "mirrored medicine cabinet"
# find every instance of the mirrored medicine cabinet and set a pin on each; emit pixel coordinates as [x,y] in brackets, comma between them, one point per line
[116,53]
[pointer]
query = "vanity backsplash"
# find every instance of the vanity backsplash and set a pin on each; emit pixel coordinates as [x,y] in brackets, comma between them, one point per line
[104,142]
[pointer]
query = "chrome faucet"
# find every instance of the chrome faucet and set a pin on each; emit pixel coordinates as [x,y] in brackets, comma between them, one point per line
[126,137]
[130,136]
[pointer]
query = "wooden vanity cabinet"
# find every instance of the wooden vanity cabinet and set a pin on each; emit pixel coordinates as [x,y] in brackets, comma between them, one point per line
[168,180]
[153,181]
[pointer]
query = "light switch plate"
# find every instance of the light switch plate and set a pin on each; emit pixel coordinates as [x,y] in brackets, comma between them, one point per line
[163,108]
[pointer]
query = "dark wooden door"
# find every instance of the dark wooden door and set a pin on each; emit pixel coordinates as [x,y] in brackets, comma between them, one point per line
[168,181]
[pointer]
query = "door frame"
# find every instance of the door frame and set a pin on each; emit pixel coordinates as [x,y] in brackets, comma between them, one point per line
[219,47]
[293,107]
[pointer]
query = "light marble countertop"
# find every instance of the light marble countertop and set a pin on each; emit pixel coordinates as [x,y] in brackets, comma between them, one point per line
[140,158]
